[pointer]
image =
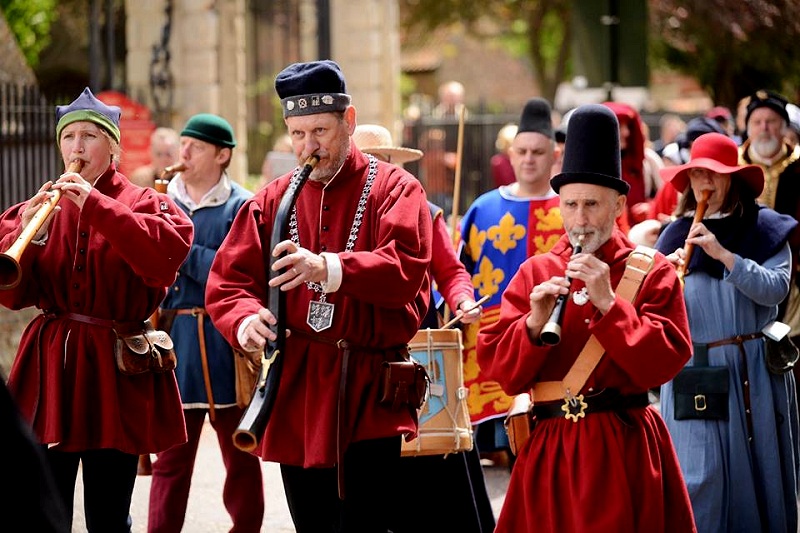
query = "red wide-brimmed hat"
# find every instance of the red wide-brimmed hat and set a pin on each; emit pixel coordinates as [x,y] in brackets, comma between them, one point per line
[717,153]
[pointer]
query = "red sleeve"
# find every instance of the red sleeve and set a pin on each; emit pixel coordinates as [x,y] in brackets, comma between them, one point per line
[402,248]
[238,278]
[646,343]
[140,237]
[665,201]
[452,279]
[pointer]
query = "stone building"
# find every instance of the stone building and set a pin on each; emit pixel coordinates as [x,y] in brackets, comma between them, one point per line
[214,49]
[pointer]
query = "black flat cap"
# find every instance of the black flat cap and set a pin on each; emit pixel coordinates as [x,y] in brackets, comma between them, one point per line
[311,88]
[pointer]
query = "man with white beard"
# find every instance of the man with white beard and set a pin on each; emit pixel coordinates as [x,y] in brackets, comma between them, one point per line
[767,122]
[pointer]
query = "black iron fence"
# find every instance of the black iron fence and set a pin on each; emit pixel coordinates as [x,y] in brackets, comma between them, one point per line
[28,153]
[438,139]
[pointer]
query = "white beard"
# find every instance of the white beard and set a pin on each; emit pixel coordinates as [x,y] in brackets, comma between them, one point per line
[765,148]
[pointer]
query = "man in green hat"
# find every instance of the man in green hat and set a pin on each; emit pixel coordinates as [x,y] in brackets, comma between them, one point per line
[206,371]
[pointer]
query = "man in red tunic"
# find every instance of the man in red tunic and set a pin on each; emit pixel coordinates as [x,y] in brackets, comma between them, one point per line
[358,249]
[611,466]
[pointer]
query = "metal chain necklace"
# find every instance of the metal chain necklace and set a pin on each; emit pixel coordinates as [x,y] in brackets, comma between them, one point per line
[320,313]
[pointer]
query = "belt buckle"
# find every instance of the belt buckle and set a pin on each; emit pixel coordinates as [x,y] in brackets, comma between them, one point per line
[574,407]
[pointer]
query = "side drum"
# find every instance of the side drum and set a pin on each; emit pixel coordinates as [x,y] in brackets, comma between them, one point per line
[444,425]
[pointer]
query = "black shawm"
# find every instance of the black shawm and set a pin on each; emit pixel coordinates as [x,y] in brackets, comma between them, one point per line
[591,152]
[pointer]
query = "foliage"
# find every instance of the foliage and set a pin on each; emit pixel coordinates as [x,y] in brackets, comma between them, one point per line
[538,30]
[731,48]
[30,21]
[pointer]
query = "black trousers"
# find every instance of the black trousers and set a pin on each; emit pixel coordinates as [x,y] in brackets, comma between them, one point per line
[108,480]
[444,494]
[371,499]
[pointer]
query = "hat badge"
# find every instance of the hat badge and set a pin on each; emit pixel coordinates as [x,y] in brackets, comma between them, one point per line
[290,105]
[762,95]
[315,100]
[303,103]
[327,99]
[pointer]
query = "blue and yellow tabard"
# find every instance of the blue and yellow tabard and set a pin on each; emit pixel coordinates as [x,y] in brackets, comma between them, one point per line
[499,232]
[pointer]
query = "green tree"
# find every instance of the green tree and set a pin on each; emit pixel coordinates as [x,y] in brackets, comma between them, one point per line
[30,22]
[732,48]
[539,31]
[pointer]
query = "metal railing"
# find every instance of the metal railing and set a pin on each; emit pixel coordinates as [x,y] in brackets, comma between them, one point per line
[28,152]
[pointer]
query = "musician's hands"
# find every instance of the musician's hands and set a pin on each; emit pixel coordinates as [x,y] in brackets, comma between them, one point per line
[542,300]
[596,275]
[74,188]
[469,315]
[699,235]
[34,204]
[677,258]
[258,332]
[301,265]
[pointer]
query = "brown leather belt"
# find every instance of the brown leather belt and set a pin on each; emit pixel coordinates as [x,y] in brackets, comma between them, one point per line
[739,340]
[200,312]
[119,326]
[607,400]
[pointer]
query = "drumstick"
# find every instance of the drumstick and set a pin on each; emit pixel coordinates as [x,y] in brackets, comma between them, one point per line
[461,313]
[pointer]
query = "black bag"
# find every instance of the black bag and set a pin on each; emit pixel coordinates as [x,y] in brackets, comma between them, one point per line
[781,355]
[700,392]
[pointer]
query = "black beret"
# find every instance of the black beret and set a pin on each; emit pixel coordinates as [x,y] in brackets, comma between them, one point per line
[311,88]
[769,99]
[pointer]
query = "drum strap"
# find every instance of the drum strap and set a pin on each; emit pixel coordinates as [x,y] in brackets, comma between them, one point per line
[639,263]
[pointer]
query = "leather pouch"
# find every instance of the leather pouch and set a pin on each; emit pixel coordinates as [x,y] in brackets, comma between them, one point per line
[403,383]
[519,422]
[150,350]
[701,393]
[246,369]
[781,355]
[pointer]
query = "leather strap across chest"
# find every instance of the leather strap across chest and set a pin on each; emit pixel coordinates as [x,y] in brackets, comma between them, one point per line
[639,263]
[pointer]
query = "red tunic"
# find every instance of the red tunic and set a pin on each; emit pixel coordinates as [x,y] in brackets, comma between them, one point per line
[383,297]
[601,473]
[452,280]
[111,260]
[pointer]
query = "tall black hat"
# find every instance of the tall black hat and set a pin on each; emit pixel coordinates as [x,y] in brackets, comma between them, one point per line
[536,117]
[591,153]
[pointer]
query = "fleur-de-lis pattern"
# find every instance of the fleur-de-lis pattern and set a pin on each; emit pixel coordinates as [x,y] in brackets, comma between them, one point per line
[506,234]
[501,232]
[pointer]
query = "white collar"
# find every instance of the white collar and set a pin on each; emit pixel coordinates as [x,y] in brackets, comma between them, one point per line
[217,195]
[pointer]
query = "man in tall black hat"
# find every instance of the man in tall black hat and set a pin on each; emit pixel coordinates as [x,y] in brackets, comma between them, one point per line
[594,433]
[499,231]
[767,123]
[353,270]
